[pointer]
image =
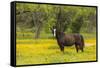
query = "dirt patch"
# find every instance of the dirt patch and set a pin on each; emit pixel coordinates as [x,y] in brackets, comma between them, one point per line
[89,44]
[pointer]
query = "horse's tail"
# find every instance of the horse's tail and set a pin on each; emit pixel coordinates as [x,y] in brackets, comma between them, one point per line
[82,40]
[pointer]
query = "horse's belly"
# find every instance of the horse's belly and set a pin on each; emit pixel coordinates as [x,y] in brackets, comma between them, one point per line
[69,43]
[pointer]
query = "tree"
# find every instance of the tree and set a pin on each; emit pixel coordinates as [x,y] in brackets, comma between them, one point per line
[77,24]
[39,17]
[62,19]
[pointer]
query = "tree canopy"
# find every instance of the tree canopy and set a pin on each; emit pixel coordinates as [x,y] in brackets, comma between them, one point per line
[40,17]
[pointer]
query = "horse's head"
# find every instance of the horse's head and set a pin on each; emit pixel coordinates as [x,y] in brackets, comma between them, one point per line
[56,32]
[53,29]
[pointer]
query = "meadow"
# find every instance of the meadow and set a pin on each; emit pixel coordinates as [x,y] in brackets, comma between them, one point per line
[46,50]
[35,43]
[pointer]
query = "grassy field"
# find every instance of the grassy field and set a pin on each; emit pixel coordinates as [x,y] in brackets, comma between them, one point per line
[44,51]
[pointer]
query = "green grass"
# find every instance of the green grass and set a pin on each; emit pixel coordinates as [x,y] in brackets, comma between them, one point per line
[44,51]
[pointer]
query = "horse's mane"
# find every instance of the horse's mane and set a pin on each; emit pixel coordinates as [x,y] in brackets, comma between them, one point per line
[59,33]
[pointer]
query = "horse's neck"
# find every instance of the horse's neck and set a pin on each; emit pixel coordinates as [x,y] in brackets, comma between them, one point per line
[60,35]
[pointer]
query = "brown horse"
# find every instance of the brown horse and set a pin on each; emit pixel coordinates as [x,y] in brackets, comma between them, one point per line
[68,40]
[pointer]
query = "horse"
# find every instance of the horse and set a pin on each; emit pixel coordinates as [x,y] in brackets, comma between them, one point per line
[68,40]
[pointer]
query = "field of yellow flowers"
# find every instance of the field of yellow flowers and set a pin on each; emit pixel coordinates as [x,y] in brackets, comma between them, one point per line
[44,51]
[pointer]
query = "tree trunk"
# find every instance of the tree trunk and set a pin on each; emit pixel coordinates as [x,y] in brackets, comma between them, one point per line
[38,30]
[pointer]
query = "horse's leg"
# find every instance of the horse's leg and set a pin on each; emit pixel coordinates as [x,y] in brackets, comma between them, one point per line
[62,48]
[82,43]
[81,47]
[76,46]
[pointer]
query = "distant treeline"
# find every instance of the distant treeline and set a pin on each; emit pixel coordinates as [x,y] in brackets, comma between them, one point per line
[40,18]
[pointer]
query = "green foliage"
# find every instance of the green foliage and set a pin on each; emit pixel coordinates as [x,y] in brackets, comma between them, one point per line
[77,24]
[39,18]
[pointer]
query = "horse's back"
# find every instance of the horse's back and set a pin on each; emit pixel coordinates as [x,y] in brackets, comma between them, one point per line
[77,37]
[69,40]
